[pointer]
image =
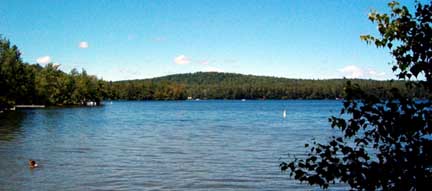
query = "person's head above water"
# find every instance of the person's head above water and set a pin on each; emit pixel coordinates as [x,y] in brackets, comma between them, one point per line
[32,164]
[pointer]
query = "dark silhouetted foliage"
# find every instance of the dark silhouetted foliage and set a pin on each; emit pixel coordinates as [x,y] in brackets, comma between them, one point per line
[385,143]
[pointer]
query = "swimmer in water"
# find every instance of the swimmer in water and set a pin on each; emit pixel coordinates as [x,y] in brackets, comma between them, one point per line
[33,164]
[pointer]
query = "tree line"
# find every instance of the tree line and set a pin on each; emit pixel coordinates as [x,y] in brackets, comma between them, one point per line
[214,85]
[24,83]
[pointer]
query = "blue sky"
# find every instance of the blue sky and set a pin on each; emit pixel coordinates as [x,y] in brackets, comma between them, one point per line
[116,40]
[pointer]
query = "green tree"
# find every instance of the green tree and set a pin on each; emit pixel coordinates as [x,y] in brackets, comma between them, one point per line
[15,77]
[386,143]
[22,83]
[51,85]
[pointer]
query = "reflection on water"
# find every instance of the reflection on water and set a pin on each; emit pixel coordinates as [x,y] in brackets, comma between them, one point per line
[10,124]
[176,145]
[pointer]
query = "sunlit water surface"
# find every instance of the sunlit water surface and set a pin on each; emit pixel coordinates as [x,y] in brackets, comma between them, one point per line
[164,145]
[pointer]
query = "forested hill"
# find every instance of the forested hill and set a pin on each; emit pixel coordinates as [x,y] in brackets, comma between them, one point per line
[214,85]
[215,78]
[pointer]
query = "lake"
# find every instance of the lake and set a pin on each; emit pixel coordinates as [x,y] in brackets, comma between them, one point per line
[160,145]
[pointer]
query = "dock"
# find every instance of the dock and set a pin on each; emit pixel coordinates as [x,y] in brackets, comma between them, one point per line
[29,106]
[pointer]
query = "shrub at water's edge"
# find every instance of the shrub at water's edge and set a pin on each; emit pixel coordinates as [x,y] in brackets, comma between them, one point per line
[386,144]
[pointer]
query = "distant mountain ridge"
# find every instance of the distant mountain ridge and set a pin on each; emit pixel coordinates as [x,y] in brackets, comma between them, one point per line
[216,85]
[215,77]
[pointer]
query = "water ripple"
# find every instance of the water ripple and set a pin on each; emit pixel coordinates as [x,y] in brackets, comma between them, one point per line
[207,145]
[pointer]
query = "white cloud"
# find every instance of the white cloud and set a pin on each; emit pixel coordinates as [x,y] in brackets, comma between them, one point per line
[43,60]
[182,59]
[212,69]
[83,44]
[352,71]
[375,73]
[204,62]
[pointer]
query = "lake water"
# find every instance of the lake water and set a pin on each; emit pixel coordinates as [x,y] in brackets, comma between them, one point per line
[160,145]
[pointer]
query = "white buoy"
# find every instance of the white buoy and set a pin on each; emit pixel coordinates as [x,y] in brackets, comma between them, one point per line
[284,114]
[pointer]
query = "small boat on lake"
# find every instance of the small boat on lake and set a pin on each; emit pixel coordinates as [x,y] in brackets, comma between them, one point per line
[284,114]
